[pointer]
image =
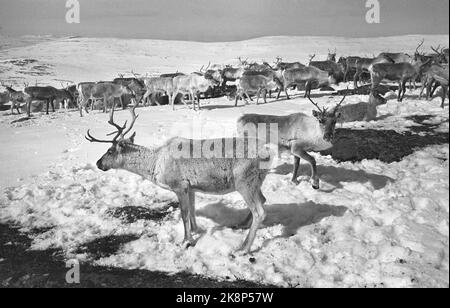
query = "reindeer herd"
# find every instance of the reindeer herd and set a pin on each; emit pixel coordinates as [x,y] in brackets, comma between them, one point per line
[250,79]
[298,133]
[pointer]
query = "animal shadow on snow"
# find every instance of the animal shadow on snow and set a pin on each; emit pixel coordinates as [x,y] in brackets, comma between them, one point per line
[336,176]
[106,246]
[291,216]
[131,214]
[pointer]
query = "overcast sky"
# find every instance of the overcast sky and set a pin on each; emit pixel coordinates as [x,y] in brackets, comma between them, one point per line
[222,20]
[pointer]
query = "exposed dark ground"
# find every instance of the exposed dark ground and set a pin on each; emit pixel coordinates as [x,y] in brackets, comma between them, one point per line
[23,268]
[385,145]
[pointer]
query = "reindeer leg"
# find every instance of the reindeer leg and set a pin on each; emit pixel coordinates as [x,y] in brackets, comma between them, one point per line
[53,105]
[399,91]
[435,87]
[423,82]
[444,95]
[146,96]
[47,103]
[29,107]
[356,79]
[297,151]
[183,198]
[403,90]
[308,88]
[428,93]
[17,107]
[295,170]
[192,218]
[257,96]
[198,100]
[174,96]
[265,96]
[248,96]
[279,93]
[255,201]
[192,98]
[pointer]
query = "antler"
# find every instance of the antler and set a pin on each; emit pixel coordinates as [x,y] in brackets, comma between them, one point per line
[121,132]
[134,117]
[436,50]
[340,103]
[243,62]
[317,106]
[311,57]
[93,139]
[420,45]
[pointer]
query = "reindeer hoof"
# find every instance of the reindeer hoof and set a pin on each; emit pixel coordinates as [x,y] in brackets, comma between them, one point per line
[295,181]
[316,185]
[188,244]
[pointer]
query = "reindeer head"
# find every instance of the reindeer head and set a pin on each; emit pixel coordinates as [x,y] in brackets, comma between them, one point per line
[114,158]
[327,119]
[439,55]
[215,76]
[332,55]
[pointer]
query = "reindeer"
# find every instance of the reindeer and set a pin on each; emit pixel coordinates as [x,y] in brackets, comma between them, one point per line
[135,85]
[231,74]
[360,111]
[186,175]
[193,85]
[310,76]
[363,65]
[66,102]
[297,134]
[400,72]
[440,55]
[438,75]
[48,94]
[4,98]
[107,91]
[255,83]
[349,65]
[158,85]
[16,97]
[332,55]
[334,69]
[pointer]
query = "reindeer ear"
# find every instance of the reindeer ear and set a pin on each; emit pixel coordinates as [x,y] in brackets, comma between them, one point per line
[316,114]
[132,138]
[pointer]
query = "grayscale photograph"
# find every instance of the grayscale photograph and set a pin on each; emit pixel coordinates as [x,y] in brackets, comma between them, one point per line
[254,146]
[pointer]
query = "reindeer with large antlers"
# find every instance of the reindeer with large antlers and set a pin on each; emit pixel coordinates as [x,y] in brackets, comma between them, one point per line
[298,134]
[174,167]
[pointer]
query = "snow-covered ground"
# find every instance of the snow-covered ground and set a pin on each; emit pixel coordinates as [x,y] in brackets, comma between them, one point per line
[372,223]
